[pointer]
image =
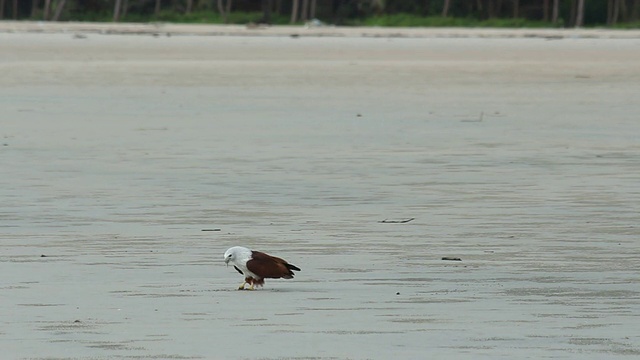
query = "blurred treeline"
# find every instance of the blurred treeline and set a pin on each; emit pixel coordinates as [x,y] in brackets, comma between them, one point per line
[497,13]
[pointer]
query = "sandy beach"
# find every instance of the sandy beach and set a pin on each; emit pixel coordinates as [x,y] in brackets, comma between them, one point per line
[131,160]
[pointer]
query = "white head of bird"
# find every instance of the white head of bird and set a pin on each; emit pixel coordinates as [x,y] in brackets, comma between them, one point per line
[237,255]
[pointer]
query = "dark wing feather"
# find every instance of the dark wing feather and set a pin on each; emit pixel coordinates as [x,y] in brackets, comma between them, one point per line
[267,266]
[293,267]
[238,270]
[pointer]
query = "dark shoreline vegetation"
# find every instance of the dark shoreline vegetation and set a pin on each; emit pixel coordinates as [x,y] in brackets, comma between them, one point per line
[385,13]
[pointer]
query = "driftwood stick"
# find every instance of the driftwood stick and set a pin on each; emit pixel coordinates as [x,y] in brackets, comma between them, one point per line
[451,258]
[399,221]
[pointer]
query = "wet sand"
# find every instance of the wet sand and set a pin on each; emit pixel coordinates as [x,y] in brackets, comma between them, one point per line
[520,156]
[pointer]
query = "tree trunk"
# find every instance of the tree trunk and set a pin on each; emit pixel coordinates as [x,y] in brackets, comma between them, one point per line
[47,10]
[314,7]
[556,11]
[624,14]
[635,14]
[125,8]
[116,10]
[445,8]
[156,11]
[572,13]
[34,9]
[266,11]
[189,7]
[14,8]
[223,14]
[490,9]
[228,9]
[2,9]
[304,13]
[294,11]
[545,10]
[516,8]
[59,7]
[616,12]
[580,13]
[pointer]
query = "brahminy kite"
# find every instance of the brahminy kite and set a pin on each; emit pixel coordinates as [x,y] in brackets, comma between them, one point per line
[257,266]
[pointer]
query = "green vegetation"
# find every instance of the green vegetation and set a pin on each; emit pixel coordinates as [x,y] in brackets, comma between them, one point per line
[622,14]
[197,17]
[629,25]
[409,20]
[201,17]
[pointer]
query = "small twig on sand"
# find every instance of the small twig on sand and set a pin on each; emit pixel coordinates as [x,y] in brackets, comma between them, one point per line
[451,258]
[399,221]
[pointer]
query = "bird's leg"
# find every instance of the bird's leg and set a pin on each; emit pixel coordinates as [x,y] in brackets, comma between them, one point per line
[241,287]
[251,287]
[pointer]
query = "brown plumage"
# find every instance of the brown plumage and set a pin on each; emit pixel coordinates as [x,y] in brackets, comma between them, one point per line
[267,266]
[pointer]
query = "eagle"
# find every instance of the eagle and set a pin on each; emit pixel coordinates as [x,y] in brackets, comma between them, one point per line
[257,266]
